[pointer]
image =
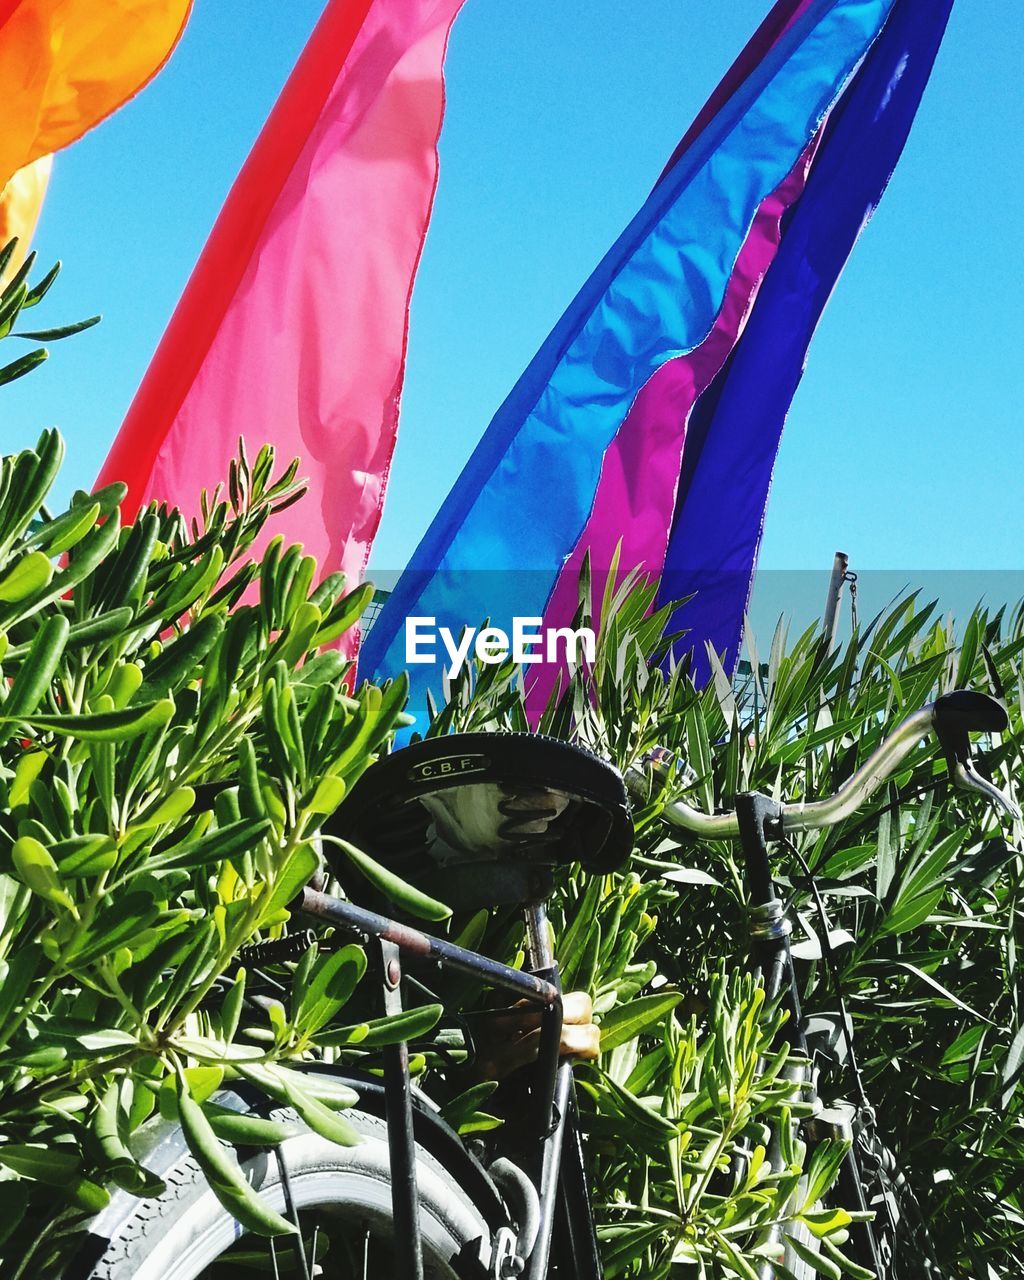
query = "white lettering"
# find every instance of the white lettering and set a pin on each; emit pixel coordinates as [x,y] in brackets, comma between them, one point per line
[457,652]
[524,641]
[413,640]
[583,639]
[491,644]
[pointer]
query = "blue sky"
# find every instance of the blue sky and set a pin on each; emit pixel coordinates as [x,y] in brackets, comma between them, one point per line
[904,444]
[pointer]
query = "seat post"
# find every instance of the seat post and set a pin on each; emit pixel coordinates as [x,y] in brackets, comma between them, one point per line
[539,954]
[540,958]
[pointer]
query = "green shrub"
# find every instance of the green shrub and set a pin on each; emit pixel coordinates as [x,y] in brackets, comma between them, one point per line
[921,891]
[168,751]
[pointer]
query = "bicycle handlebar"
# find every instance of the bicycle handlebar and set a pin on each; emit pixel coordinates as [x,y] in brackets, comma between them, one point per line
[951,717]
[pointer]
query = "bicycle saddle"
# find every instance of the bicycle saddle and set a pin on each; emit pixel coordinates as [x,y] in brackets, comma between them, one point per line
[492,802]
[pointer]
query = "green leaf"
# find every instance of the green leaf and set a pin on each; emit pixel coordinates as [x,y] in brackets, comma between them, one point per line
[17,975]
[463,1112]
[120,1164]
[223,1174]
[231,1010]
[847,1265]
[37,671]
[63,331]
[824,1266]
[31,574]
[66,531]
[331,984]
[81,856]
[130,914]
[203,1083]
[171,809]
[410,1025]
[52,1165]
[626,1022]
[244,1130]
[320,1118]
[908,913]
[297,1091]
[292,879]
[823,1222]
[637,1113]
[329,793]
[103,1042]
[621,1245]
[37,869]
[963,1046]
[26,771]
[181,660]
[99,629]
[25,364]
[404,895]
[943,991]
[220,845]
[104,726]
[1010,1071]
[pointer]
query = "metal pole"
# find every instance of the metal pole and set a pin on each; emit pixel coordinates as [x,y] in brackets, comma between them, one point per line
[346,915]
[830,619]
[398,1113]
[553,1107]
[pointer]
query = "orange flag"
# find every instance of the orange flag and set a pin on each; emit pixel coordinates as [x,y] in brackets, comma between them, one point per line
[65,65]
[20,203]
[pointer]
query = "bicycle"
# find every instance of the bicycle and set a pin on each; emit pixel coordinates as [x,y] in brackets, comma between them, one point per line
[494,815]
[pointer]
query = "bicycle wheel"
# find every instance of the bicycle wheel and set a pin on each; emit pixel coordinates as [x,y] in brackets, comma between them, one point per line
[343,1195]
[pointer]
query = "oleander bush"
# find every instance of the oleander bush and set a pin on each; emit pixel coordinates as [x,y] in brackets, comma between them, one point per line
[919,927]
[168,752]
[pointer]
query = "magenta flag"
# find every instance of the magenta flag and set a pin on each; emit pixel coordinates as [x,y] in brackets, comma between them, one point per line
[292,329]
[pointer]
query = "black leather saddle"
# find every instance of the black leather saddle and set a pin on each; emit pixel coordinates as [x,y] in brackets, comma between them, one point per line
[483,818]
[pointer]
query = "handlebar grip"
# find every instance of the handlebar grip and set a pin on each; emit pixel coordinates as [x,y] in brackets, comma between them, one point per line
[961,712]
[969,711]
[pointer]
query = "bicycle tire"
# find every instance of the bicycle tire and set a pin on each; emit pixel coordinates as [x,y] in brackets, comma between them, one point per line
[185,1230]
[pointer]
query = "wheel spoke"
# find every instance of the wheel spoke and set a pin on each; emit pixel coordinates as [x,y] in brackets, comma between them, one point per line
[329,1242]
[297,1244]
[316,1237]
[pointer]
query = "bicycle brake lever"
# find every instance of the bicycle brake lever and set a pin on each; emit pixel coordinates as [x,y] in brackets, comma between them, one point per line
[965,775]
[955,716]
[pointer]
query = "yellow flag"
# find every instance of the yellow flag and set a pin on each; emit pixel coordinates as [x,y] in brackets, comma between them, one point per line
[20,203]
[65,65]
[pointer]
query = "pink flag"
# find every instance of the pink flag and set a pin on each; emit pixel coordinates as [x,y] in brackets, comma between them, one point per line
[292,328]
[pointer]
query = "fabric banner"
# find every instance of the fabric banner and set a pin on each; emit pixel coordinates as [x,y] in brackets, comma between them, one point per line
[65,65]
[735,432]
[589,446]
[21,202]
[292,328]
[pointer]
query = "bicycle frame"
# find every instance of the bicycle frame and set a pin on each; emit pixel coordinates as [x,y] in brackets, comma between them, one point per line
[558,1164]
